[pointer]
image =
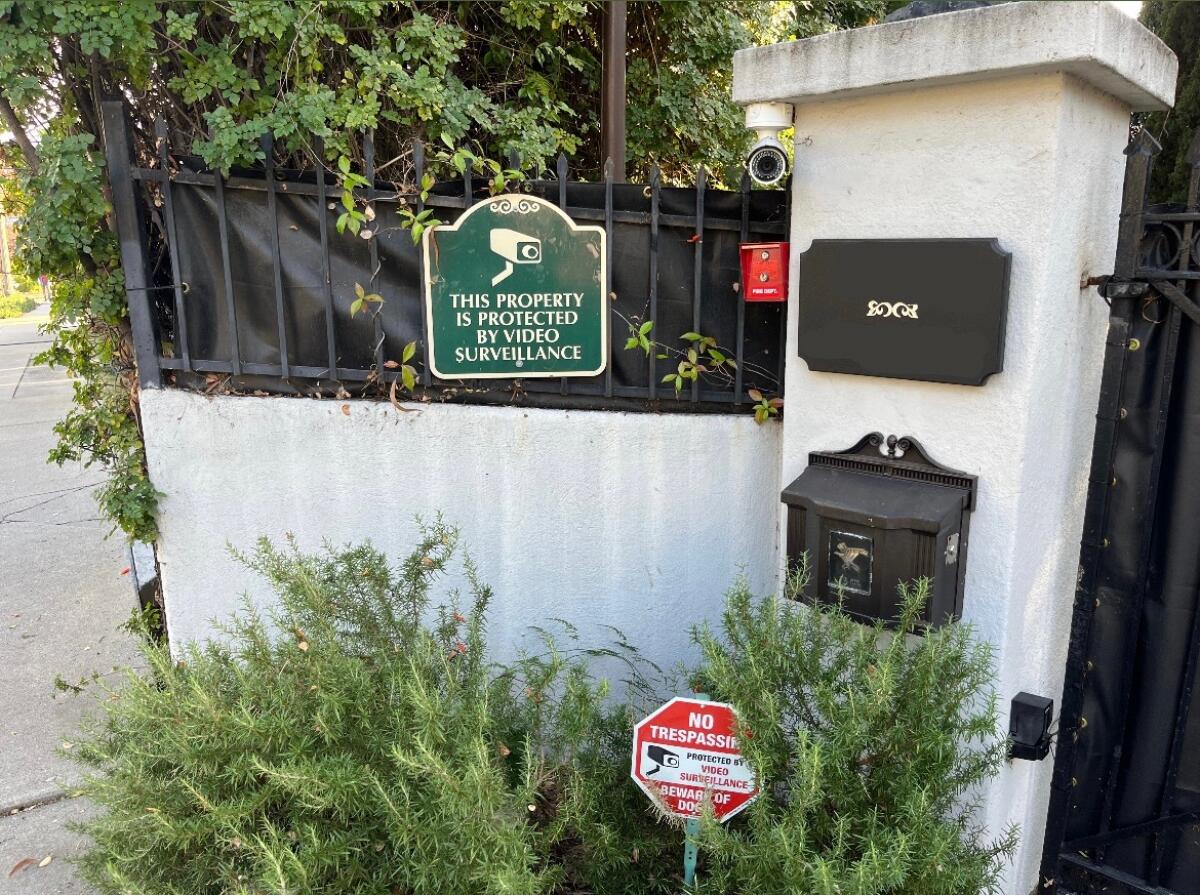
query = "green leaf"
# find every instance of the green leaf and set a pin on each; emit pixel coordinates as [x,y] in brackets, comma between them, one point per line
[355,307]
[645,327]
[409,376]
[691,337]
[409,350]
[343,164]
[359,290]
[631,342]
[716,355]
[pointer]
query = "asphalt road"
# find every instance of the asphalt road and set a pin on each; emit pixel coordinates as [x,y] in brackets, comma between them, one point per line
[62,599]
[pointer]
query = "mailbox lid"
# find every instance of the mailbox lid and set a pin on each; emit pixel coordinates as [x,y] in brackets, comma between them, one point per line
[876,500]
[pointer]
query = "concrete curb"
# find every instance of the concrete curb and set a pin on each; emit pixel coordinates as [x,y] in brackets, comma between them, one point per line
[37,800]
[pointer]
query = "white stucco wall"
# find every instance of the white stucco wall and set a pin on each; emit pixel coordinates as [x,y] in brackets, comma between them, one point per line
[639,521]
[923,130]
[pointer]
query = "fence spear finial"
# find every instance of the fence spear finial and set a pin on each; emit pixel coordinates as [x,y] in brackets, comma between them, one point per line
[1193,153]
[1143,143]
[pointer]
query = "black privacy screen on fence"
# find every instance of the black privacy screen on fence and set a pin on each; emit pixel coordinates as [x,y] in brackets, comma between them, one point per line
[1125,806]
[252,253]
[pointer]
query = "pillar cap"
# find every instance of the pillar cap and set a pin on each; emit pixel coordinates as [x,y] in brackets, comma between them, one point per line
[1094,42]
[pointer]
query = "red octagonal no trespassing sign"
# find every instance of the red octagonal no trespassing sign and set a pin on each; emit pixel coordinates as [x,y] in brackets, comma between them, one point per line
[687,751]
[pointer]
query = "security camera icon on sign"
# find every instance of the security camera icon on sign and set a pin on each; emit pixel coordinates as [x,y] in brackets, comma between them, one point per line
[515,248]
[662,758]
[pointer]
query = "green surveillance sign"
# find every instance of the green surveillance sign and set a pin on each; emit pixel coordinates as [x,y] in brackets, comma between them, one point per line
[515,289]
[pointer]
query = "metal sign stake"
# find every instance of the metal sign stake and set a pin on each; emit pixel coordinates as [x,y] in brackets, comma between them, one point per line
[690,851]
[691,831]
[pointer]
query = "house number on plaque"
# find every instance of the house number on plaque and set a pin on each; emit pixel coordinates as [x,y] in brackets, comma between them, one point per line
[891,309]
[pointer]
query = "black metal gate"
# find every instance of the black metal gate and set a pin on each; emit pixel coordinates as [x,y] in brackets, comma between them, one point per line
[1125,806]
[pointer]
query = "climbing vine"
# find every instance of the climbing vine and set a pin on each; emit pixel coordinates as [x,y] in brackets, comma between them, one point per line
[700,356]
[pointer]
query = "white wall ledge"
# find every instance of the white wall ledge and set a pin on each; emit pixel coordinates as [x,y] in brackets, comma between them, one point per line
[1094,42]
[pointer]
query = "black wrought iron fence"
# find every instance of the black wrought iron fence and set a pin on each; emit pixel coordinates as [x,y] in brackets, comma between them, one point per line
[1125,796]
[247,276]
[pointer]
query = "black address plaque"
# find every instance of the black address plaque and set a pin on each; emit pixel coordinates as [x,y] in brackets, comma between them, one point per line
[927,309]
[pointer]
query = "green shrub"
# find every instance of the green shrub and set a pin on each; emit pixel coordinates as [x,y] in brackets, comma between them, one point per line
[869,746]
[346,744]
[359,739]
[18,303]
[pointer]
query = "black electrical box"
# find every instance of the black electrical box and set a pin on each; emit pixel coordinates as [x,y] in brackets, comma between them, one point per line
[877,515]
[1029,721]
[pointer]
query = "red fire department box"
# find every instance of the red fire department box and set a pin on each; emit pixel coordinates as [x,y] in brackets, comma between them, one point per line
[764,271]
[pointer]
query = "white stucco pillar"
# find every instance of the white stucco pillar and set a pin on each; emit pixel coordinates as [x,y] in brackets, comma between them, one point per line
[1005,122]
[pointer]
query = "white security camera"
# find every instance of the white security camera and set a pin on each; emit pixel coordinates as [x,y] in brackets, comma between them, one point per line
[767,162]
[514,247]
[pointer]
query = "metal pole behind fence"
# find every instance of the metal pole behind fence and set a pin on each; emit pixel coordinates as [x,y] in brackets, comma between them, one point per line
[698,267]
[743,236]
[609,299]
[655,196]
[268,147]
[162,137]
[131,232]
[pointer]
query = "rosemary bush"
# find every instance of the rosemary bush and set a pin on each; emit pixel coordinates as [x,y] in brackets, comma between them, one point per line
[358,739]
[870,745]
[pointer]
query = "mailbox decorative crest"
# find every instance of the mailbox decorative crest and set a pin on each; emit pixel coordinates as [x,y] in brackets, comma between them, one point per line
[876,515]
[514,288]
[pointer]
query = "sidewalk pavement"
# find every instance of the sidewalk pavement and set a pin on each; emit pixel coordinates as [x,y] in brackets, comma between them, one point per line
[62,600]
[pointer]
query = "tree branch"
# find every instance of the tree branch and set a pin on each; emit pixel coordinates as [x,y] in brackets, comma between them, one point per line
[18,132]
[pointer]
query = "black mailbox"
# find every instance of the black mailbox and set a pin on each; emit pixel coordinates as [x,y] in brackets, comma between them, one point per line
[876,515]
